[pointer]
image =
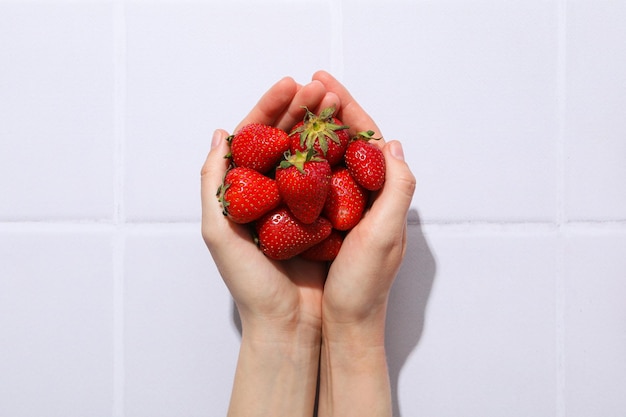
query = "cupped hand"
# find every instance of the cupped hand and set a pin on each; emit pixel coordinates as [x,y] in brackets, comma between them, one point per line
[268,293]
[361,276]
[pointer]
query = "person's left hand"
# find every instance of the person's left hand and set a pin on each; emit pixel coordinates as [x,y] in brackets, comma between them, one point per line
[361,276]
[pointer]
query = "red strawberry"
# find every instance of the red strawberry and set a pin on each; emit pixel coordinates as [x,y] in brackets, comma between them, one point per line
[346,200]
[303,182]
[366,162]
[326,250]
[323,132]
[281,236]
[246,194]
[258,146]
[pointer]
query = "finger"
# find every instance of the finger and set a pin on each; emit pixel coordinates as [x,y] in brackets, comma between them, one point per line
[390,208]
[350,113]
[272,104]
[212,174]
[225,239]
[330,100]
[217,230]
[310,96]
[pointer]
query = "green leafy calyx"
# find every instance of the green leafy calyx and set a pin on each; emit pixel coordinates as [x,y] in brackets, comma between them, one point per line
[319,128]
[298,159]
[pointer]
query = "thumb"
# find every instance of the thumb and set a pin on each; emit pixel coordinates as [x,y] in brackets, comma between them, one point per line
[212,175]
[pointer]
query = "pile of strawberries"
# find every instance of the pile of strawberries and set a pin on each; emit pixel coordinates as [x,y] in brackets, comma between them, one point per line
[301,191]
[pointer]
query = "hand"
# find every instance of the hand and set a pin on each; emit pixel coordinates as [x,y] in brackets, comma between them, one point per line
[361,276]
[264,290]
[279,302]
[354,379]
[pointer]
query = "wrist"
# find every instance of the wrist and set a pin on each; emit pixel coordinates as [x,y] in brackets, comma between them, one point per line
[277,369]
[291,331]
[354,378]
[289,355]
[352,341]
[365,327]
[357,346]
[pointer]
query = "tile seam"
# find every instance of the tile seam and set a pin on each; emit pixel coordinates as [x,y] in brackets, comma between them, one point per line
[124,227]
[119,218]
[563,226]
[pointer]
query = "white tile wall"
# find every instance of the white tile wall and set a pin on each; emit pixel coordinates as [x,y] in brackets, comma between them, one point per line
[178,328]
[472,89]
[512,114]
[191,66]
[596,111]
[487,332]
[56,111]
[56,323]
[595,324]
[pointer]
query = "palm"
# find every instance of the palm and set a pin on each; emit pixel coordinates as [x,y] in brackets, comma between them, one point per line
[258,284]
[362,274]
[262,286]
[356,281]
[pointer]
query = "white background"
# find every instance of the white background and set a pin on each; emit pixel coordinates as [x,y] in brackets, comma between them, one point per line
[511,300]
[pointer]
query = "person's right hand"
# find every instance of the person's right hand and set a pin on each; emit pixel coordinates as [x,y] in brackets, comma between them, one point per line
[279,302]
[284,293]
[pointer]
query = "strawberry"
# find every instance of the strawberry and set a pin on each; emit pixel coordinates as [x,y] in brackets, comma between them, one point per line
[303,182]
[323,132]
[258,146]
[366,161]
[246,194]
[346,200]
[326,250]
[282,236]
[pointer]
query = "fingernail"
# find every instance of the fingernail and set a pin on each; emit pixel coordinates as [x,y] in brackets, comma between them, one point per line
[217,139]
[396,150]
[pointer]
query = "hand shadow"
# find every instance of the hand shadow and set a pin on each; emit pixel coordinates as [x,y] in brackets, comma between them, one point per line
[407,303]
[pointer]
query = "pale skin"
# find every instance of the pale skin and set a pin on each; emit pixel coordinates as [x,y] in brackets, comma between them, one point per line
[302,320]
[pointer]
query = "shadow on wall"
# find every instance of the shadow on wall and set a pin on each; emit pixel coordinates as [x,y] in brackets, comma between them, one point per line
[407,303]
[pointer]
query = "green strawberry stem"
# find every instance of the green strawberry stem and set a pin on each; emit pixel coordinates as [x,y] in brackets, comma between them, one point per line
[298,159]
[367,135]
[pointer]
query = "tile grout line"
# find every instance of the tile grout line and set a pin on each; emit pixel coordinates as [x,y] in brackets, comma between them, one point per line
[561,221]
[472,226]
[119,220]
